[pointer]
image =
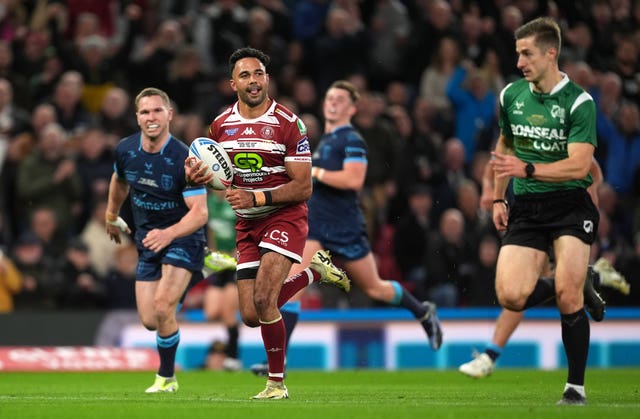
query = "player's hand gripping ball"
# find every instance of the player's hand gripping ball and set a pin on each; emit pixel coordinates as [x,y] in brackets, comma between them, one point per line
[216,158]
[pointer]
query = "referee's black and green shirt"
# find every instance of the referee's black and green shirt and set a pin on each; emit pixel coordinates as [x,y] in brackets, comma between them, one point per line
[542,125]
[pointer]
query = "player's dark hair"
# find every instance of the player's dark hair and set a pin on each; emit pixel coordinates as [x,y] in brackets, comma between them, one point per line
[545,31]
[247,52]
[153,91]
[349,87]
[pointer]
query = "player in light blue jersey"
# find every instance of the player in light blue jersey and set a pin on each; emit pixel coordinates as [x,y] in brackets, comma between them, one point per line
[169,217]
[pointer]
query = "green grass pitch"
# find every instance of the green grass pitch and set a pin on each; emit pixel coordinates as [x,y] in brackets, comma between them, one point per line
[611,393]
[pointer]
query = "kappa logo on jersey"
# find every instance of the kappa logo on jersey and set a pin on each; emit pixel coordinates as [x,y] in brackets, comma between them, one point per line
[231,131]
[587,225]
[303,146]
[248,131]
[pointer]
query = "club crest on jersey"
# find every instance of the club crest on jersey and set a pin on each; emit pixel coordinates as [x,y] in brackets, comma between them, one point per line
[231,131]
[167,182]
[267,132]
[303,146]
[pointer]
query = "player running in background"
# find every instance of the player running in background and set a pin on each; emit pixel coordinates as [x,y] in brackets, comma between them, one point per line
[601,272]
[336,222]
[546,143]
[271,157]
[169,217]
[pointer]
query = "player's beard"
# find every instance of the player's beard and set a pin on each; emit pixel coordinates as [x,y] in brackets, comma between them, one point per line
[253,101]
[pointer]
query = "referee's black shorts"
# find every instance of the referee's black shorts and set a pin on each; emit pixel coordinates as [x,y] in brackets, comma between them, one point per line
[536,220]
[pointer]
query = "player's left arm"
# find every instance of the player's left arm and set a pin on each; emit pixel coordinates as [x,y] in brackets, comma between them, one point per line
[195,218]
[351,176]
[575,166]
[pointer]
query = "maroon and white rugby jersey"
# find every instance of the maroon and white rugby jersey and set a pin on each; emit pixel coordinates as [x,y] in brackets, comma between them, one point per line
[259,148]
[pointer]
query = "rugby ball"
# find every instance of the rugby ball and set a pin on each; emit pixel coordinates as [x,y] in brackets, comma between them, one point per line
[214,155]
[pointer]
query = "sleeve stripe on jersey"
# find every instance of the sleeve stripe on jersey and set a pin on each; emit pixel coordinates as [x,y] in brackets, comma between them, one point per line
[194,192]
[502,93]
[584,97]
[355,160]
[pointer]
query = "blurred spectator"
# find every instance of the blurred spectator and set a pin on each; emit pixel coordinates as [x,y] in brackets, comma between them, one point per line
[42,281]
[627,65]
[14,120]
[602,30]
[120,284]
[388,31]
[92,54]
[433,21]
[510,20]
[481,288]
[71,113]
[411,239]
[477,223]
[152,66]
[340,50]
[102,251]
[188,83]
[19,83]
[261,35]
[435,78]
[115,117]
[454,172]
[94,166]
[188,127]
[305,96]
[474,108]
[48,177]
[227,28]
[121,280]
[382,149]
[84,288]
[621,136]
[449,260]
[10,283]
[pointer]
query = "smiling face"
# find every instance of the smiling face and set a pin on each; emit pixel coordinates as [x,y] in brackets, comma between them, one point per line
[250,81]
[154,116]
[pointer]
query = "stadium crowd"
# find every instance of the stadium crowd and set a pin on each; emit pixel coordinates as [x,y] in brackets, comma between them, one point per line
[430,73]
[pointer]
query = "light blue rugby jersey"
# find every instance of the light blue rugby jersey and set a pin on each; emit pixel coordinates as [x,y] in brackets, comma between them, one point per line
[331,205]
[157,183]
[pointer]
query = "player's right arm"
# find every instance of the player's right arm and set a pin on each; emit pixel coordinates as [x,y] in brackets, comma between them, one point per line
[118,191]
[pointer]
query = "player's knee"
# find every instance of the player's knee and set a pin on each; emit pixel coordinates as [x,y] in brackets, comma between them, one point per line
[250,320]
[569,300]
[149,323]
[511,302]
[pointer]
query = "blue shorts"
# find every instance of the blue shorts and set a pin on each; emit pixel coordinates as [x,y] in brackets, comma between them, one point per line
[348,242]
[183,253]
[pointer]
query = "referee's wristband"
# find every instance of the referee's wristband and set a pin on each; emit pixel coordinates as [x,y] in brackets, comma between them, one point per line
[502,201]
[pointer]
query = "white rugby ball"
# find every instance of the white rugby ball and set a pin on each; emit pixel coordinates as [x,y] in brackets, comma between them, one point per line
[214,155]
